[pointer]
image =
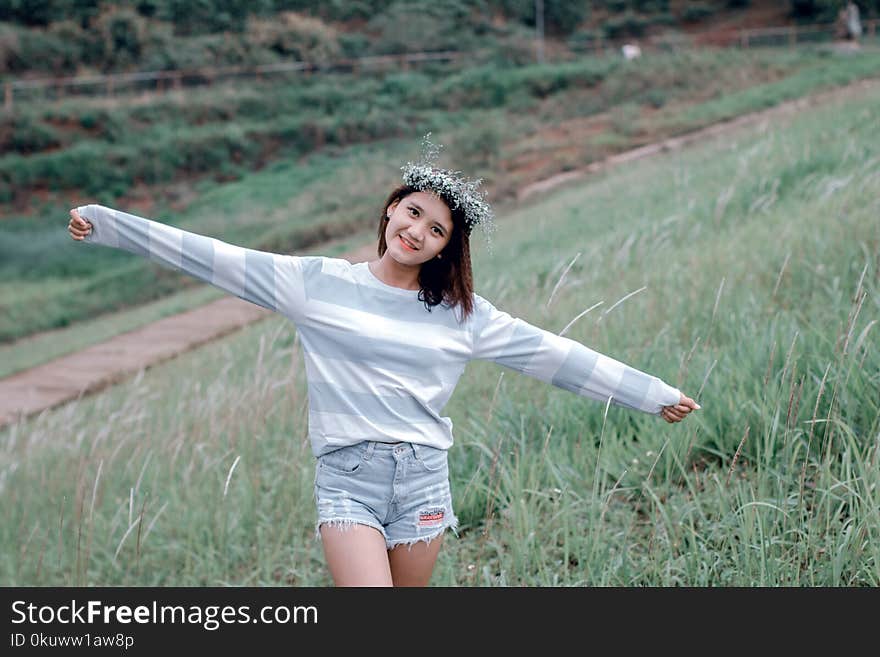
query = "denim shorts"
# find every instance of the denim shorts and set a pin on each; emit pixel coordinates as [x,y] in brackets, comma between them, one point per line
[400,489]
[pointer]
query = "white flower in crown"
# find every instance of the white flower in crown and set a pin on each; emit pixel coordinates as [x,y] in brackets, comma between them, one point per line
[460,191]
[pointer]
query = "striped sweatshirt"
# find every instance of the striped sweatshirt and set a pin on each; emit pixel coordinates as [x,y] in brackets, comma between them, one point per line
[379,364]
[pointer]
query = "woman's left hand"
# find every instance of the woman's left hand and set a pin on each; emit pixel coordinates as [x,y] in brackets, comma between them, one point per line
[679,411]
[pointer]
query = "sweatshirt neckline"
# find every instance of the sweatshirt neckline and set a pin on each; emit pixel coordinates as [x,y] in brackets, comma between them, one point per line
[377,282]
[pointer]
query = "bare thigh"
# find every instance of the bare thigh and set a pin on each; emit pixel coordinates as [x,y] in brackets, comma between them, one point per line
[412,566]
[356,556]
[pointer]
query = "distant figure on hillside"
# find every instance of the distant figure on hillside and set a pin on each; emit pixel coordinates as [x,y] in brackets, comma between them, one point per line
[385,343]
[631,51]
[853,23]
[849,24]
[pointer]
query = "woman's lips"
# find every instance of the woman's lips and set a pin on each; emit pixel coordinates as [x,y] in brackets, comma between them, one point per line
[405,245]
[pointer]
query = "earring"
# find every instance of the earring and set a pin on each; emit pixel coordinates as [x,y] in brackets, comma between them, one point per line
[438,256]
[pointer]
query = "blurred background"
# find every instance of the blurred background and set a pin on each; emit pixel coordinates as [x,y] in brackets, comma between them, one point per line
[153,105]
[176,108]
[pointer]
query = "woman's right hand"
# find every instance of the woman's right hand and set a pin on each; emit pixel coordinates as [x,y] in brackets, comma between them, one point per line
[78,227]
[678,412]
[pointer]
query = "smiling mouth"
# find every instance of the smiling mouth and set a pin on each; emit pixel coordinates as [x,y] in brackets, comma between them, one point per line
[406,244]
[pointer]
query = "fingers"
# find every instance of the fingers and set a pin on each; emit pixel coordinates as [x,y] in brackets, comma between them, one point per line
[678,412]
[687,402]
[76,232]
[76,219]
[77,226]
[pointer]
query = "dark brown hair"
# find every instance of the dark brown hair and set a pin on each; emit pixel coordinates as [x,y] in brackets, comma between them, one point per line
[448,279]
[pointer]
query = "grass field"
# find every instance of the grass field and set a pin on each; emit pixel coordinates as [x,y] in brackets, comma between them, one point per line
[744,271]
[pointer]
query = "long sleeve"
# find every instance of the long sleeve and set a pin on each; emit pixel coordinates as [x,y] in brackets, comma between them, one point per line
[266,279]
[565,363]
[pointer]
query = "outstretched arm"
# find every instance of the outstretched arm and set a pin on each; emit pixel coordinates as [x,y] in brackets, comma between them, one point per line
[568,364]
[266,279]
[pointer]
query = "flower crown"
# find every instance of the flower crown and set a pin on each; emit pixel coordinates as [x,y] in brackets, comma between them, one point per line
[461,192]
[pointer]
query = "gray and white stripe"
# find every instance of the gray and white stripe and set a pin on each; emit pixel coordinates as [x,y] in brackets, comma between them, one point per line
[380,366]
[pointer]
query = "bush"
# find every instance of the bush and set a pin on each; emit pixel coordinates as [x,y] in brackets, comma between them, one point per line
[656,98]
[514,47]
[403,86]
[479,148]
[41,50]
[104,124]
[626,25]
[88,167]
[340,11]
[697,11]
[185,54]
[191,17]
[9,45]
[584,39]
[564,16]
[119,35]
[30,136]
[421,25]
[73,42]
[625,119]
[663,18]
[489,86]
[161,48]
[650,6]
[560,16]
[28,12]
[295,36]
[212,50]
[353,45]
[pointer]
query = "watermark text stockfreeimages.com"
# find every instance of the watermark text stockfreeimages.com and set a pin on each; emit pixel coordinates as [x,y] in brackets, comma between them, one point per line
[211,617]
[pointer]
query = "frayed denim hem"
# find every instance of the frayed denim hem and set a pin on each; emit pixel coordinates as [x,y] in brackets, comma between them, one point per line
[346,523]
[409,542]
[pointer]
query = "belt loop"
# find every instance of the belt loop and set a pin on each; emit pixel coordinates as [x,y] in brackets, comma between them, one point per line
[371,445]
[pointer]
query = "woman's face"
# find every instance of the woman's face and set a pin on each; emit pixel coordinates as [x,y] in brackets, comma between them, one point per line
[419,227]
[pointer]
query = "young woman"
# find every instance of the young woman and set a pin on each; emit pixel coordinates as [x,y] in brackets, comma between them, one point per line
[384,344]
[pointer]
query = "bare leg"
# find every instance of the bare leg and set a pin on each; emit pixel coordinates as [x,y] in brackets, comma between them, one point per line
[412,566]
[356,555]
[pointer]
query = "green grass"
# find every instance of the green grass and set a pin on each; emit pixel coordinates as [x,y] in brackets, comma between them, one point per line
[758,258]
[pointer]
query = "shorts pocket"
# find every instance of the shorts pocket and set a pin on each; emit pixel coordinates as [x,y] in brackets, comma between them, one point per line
[431,458]
[345,460]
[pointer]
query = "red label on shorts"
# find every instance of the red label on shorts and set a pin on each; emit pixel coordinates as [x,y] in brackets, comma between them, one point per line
[431,517]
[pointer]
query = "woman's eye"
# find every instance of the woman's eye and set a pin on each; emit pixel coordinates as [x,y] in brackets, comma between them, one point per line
[439,232]
[413,210]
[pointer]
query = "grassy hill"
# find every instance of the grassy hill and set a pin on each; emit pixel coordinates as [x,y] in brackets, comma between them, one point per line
[755,261]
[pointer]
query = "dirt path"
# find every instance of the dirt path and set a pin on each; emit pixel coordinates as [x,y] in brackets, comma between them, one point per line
[92,369]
